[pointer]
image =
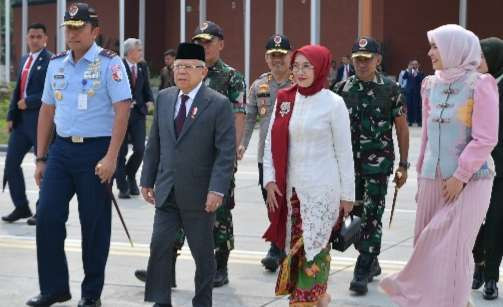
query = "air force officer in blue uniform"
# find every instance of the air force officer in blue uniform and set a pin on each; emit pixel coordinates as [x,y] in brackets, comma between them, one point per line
[87,97]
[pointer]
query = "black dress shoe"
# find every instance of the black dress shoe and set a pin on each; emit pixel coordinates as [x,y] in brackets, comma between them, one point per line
[133,187]
[18,213]
[47,300]
[478,276]
[141,275]
[490,290]
[32,220]
[124,194]
[89,302]
[162,305]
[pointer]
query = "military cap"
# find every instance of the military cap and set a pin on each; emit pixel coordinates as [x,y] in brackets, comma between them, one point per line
[78,14]
[207,31]
[365,47]
[278,43]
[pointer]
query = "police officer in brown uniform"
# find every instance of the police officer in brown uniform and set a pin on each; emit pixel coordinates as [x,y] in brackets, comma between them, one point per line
[260,105]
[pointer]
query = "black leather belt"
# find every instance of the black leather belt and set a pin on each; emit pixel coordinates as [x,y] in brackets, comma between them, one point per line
[80,139]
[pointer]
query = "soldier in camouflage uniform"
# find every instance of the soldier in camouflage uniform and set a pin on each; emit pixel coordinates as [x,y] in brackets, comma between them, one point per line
[375,104]
[229,82]
[261,98]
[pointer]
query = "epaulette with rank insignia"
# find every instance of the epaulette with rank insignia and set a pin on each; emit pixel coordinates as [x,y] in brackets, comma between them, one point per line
[108,53]
[264,75]
[59,55]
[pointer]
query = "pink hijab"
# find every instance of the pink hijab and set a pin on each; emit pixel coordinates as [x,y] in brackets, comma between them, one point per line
[459,49]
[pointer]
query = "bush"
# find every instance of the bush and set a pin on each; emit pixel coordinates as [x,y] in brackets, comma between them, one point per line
[5,95]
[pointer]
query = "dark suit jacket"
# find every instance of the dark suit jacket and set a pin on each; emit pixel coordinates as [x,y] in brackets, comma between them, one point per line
[142,93]
[340,72]
[200,160]
[34,89]
[413,86]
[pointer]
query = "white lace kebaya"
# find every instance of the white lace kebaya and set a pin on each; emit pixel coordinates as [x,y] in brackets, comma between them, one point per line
[320,165]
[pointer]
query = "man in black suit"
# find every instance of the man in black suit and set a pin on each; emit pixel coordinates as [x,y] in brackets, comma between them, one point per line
[345,70]
[22,118]
[138,75]
[412,91]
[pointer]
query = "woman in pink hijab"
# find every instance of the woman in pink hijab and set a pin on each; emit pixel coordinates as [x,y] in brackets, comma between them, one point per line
[455,170]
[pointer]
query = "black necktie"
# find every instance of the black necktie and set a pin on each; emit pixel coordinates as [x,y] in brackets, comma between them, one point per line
[180,118]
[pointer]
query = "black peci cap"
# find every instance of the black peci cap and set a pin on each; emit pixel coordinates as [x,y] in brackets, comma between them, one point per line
[207,31]
[278,43]
[190,51]
[78,14]
[365,47]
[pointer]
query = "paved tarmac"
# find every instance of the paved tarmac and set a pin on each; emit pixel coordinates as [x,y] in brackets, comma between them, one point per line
[250,284]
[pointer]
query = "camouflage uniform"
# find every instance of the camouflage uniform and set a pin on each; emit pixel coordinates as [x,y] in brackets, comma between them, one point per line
[372,106]
[229,82]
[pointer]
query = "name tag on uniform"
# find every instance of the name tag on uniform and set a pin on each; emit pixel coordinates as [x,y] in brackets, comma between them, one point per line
[82,101]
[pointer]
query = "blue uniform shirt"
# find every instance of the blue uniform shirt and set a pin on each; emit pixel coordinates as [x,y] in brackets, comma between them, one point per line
[99,78]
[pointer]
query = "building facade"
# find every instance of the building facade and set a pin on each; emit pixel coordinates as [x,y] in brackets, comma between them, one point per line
[400,25]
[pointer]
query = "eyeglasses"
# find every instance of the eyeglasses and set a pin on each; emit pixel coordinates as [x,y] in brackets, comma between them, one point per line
[186,66]
[303,67]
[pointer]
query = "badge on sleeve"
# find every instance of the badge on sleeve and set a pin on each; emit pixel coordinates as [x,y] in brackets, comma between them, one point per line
[58,95]
[116,72]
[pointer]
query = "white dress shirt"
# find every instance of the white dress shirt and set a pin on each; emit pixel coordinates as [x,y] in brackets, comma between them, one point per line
[320,165]
[345,73]
[188,104]
[131,65]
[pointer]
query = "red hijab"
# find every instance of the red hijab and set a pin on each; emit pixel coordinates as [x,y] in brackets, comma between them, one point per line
[320,58]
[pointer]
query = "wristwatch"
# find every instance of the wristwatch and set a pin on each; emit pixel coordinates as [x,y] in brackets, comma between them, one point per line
[404,164]
[41,159]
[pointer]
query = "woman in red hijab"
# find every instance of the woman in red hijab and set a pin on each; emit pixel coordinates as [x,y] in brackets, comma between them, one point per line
[309,176]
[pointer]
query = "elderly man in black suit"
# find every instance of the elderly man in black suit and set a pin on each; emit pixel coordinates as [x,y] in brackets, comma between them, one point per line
[187,168]
[138,75]
[22,118]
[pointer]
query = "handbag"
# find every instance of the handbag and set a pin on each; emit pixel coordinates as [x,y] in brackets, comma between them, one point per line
[346,232]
